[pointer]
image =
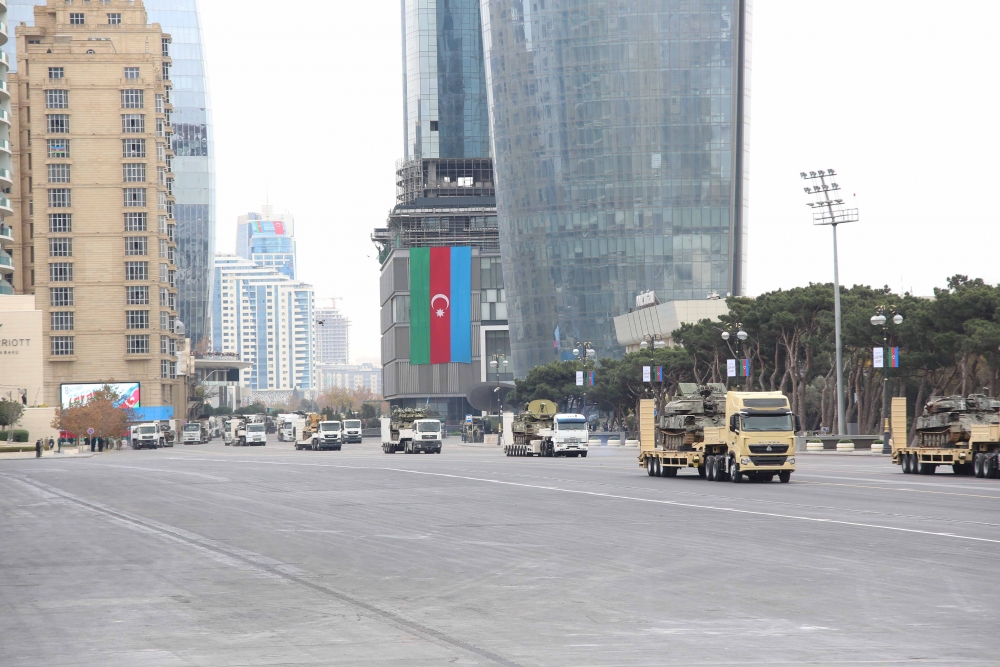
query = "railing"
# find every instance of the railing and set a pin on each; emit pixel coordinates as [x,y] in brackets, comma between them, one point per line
[5,116]
[3,56]
[4,144]
[6,175]
[6,230]
[6,288]
[5,203]
[3,85]
[6,260]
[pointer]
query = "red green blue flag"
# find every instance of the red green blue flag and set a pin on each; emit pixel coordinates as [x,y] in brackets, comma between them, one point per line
[659,373]
[591,376]
[441,305]
[894,357]
[745,368]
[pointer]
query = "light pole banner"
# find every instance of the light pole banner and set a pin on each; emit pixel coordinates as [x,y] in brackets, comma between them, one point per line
[878,357]
[893,357]
[730,368]
[646,375]
[592,378]
[579,378]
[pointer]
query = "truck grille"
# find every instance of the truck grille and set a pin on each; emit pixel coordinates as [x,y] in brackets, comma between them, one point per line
[768,449]
[768,460]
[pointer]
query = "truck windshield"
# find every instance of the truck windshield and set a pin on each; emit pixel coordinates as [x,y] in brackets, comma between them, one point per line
[428,427]
[767,423]
[255,428]
[147,429]
[352,423]
[192,428]
[329,426]
[576,425]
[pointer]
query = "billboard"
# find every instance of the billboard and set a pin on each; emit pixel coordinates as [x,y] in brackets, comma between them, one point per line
[276,227]
[77,394]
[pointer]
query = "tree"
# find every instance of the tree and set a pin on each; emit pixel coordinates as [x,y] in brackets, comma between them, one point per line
[104,412]
[10,414]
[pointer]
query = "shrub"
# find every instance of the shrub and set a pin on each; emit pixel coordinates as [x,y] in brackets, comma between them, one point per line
[814,440]
[877,441]
[845,440]
[20,435]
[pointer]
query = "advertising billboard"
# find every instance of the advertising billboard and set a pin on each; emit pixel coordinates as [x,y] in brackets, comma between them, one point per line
[78,394]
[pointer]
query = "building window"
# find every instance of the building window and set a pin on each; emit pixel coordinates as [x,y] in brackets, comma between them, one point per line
[135,196]
[166,71]
[115,19]
[133,148]
[135,222]
[60,297]
[136,270]
[57,123]
[137,344]
[58,147]
[136,319]
[60,198]
[133,123]
[61,320]
[58,173]
[60,272]
[131,72]
[161,152]
[163,248]
[60,223]
[76,18]
[134,172]
[160,128]
[135,245]
[137,295]
[168,369]
[132,98]
[56,72]
[165,321]
[164,273]
[56,99]
[62,346]
[161,175]
[400,309]
[165,47]
[60,246]
[161,200]
[162,225]
[164,297]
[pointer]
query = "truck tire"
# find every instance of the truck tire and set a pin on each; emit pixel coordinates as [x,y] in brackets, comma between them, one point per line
[784,476]
[977,465]
[914,463]
[927,468]
[990,465]
[710,467]
[649,466]
[583,454]
[657,468]
[735,475]
[701,470]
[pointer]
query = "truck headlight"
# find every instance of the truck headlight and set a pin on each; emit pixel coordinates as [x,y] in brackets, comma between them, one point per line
[745,461]
[791,460]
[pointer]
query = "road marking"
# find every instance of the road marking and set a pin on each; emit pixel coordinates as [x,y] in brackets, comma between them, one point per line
[612,496]
[887,488]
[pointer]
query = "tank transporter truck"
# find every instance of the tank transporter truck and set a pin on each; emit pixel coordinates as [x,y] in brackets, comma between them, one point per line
[410,430]
[960,431]
[542,431]
[307,435]
[733,435]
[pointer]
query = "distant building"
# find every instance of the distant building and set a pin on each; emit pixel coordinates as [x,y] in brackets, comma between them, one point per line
[662,319]
[267,319]
[350,377]
[332,335]
[268,239]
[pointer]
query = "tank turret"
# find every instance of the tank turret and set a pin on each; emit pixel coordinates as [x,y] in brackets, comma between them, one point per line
[683,420]
[947,420]
[537,415]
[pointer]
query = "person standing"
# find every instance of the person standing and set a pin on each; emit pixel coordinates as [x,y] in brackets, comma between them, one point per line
[93,444]
[38,448]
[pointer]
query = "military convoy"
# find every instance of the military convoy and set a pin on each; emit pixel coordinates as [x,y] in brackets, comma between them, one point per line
[543,431]
[725,436]
[410,430]
[959,431]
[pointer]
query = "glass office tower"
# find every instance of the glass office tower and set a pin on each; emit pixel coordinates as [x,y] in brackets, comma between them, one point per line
[193,163]
[619,136]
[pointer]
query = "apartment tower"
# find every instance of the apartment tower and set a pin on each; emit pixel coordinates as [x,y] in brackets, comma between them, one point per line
[8,237]
[96,203]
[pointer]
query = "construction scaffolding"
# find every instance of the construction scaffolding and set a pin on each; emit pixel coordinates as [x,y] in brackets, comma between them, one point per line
[426,178]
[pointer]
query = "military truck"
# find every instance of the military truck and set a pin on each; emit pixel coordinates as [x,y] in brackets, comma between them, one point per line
[538,415]
[411,430]
[682,421]
[307,436]
[960,431]
[756,440]
[542,431]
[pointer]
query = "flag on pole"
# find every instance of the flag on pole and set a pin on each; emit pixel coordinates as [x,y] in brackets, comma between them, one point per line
[659,373]
[745,368]
[591,378]
[440,305]
[894,357]
[555,343]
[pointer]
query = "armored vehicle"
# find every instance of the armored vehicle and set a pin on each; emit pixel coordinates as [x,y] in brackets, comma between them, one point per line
[537,415]
[682,422]
[960,431]
[399,431]
[948,420]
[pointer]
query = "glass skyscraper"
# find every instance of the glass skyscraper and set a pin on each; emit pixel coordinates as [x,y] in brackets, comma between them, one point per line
[193,163]
[619,136]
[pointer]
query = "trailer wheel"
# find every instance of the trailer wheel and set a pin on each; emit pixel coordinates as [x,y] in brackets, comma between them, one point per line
[914,463]
[670,471]
[710,468]
[649,466]
[990,466]
[784,476]
[657,468]
[927,468]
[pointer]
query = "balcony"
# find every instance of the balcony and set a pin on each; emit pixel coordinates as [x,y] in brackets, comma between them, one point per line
[4,60]
[6,263]
[4,144]
[6,234]
[3,33]
[5,206]
[6,178]
[5,287]
[4,117]
[4,90]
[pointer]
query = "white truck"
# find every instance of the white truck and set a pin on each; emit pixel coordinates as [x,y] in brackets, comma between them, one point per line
[568,436]
[229,430]
[193,433]
[329,435]
[411,436]
[291,427]
[254,433]
[147,436]
[352,431]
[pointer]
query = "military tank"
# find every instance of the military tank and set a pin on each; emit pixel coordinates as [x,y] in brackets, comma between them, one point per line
[948,420]
[682,421]
[403,418]
[537,415]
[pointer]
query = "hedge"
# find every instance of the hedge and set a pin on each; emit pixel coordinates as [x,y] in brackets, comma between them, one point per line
[20,435]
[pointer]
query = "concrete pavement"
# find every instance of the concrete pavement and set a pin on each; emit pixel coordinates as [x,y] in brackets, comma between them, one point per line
[211,555]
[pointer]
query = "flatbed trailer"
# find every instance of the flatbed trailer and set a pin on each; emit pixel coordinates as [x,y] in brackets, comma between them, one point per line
[979,456]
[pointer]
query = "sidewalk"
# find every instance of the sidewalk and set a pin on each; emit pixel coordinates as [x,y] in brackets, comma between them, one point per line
[67,453]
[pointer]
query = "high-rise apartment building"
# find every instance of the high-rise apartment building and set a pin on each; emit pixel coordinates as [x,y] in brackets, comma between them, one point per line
[267,318]
[95,196]
[619,145]
[332,334]
[268,239]
[193,163]
[7,233]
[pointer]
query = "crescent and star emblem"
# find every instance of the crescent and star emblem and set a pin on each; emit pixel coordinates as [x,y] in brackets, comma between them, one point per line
[440,311]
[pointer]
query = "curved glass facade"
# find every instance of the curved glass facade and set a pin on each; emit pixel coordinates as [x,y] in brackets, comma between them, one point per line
[619,150]
[444,85]
[193,163]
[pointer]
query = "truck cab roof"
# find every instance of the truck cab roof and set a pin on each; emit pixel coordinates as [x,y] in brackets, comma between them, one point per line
[570,417]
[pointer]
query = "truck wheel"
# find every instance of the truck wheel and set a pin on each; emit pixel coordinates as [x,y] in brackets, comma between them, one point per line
[710,468]
[649,466]
[701,470]
[583,454]
[914,464]
[927,468]
[657,468]
[735,474]
[977,464]
[784,476]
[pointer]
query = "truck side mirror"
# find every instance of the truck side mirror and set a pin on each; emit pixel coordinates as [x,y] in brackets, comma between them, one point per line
[798,424]
[732,424]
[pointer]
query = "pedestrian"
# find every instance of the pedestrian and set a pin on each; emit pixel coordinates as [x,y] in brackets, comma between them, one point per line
[52,444]
[93,444]
[38,448]
[100,444]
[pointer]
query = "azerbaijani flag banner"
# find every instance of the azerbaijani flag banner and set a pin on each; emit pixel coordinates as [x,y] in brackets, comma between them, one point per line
[659,373]
[591,378]
[745,368]
[894,357]
[441,305]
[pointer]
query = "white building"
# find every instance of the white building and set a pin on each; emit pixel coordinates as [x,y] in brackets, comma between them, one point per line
[268,239]
[332,334]
[267,319]
[350,376]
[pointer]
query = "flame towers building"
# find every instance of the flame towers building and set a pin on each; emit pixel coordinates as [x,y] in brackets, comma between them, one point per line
[193,162]
[619,133]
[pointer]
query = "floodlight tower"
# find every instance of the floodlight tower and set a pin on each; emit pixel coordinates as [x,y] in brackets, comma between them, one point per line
[831,211]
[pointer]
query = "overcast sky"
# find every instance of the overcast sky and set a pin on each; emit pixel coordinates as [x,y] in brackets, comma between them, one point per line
[897,96]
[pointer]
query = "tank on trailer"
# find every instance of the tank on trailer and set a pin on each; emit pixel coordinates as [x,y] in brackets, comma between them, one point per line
[684,418]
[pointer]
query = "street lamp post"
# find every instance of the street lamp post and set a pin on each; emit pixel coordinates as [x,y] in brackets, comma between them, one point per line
[879,319]
[741,336]
[584,352]
[499,362]
[832,212]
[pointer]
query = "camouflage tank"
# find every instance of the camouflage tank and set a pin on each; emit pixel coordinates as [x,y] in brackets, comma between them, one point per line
[537,415]
[947,420]
[404,418]
[683,420]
